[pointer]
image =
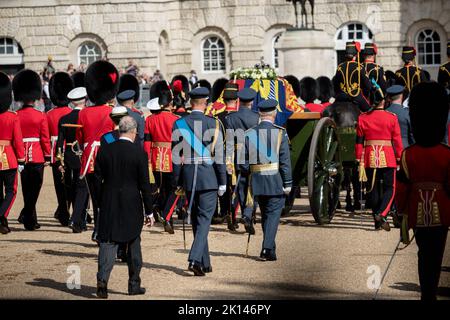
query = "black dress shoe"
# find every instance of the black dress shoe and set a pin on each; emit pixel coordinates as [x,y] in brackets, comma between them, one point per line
[20,219]
[249,228]
[56,215]
[136,291]
[102,290]
[231,226]
[357,206]
[349,208]
[75,228]
[63,220]
[267,255]
[4,229]
[88,218]
[196,269]
[385,226]
[207,269]
[168,227]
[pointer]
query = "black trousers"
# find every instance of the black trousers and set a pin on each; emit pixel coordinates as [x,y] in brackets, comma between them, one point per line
[107,257]
[431,243]
[382,194]
[225,201]
[61,195]
[32,177]
[164,183]
[88,185]
[8,191]
[71,178]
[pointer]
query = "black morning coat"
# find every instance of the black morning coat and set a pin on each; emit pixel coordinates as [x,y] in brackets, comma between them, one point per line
[122,167]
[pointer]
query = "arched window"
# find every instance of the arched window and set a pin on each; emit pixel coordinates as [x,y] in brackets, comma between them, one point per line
[275,61]
[89,52]
[428,43]
[353,31]
[213,54]
[11,56]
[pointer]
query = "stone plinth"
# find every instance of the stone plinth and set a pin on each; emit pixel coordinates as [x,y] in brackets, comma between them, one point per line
[307,53]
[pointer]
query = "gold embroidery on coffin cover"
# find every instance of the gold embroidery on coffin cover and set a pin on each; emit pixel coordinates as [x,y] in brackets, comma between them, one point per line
[428,214]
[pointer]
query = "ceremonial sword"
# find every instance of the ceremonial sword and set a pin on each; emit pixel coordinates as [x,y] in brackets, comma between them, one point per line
[387,268]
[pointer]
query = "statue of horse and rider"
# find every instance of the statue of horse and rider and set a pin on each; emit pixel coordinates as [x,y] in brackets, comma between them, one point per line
[304,13]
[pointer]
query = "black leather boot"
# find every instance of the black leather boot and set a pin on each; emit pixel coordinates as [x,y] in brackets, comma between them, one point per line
[102,290]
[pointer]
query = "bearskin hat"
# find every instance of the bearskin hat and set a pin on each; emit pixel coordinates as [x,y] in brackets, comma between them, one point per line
[27,86]
[5,92]
[408,53]
[102,82]
[129,82]
[217,89]
[184,84]
[59,86]
[78,79]
[161,90]
[428,128]
[308,89]
[325,90]
[295,83]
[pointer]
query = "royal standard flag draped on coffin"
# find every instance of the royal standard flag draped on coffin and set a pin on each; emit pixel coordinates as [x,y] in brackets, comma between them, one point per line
[278,89]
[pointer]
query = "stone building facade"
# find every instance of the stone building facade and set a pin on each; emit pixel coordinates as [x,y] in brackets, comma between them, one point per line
[209,36]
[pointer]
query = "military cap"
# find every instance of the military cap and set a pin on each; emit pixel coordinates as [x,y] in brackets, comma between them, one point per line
[119,111]
[395,90]
[408,53]
[129,82]
[352,48]
[77,94]
[370,49]
[153,104]
[231,91]
[126,95]
[199,93]
[267,105]
[247,94]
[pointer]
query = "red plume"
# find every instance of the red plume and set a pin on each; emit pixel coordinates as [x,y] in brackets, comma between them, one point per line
[358,46]
[177,86]
[113,77]
[375,48]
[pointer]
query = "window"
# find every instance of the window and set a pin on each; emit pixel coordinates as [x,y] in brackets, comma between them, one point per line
[213,54]
[11,56]
[89,52]
[429,47]
[275,62]
[351,32]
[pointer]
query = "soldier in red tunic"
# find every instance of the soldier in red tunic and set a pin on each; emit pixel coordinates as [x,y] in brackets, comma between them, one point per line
[59,86]
[378,150]
[102,84]
[11,152]
[158,144]
[27,88]
[423,193]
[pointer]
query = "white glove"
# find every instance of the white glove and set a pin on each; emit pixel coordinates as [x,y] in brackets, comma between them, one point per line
[222,190]
[20,168]
[149,221]
[287,190]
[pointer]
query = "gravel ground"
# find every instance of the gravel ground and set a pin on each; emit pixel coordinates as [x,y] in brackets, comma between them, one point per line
[314,262]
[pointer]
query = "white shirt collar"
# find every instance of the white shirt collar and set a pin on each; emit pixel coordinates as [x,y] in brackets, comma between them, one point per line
[126,139]
[265,120]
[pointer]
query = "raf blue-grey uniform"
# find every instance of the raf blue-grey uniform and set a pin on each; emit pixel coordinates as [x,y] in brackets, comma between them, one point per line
[402,116]
[268,163]
[244,119]
[210,175]
[128,95]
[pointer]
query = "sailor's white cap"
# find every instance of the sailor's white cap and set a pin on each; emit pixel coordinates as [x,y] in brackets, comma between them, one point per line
[77,94]
[153,105]
[119,110]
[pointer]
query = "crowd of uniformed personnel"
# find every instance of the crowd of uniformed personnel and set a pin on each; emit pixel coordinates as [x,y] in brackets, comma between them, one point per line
[196,181]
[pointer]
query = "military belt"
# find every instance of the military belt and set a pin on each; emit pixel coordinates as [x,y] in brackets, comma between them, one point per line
[387,143]
[162,144]
[428,186]
[31,140]
[255,168]
[5,143]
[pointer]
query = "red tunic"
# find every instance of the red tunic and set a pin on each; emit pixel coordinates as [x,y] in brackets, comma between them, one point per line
[36,137]
[314,107]
[12,150]
[379,131]
[158,141]
[95,122]
[423,192]
[53,117]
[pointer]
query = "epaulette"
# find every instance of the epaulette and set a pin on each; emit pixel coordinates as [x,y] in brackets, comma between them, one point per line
[390,112]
